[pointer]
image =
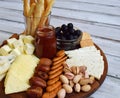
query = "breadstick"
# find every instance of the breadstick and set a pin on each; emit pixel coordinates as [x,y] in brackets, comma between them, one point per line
[46,3]
[26,7]
[46,13]
[39,9]
[31,2]
[29,19]
[30,13]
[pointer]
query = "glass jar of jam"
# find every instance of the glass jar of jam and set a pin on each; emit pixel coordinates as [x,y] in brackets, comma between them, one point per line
[45,42]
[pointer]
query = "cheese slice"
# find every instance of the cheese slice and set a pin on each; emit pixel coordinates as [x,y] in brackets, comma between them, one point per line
[14,85]
[22,69]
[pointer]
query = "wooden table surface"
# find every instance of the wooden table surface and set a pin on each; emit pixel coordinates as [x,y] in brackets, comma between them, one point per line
[100,18]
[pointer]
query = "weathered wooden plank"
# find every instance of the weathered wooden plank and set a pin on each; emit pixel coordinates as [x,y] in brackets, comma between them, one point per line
[73,5]
[11,15]
[12,27]
[89,16]
[88,7]
[93,28]
[3,36]
[11,5]
[104,2]
[109,89]
[113,66]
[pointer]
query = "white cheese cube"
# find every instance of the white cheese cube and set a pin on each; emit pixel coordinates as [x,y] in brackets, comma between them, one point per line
[28,39]
[11,41]
[22,37]
[15,52]
[5,50]
[19,44]
[29,48]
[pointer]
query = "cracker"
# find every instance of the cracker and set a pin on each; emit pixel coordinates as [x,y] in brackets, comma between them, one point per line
[86,43]
[52,81]
[58,73]
[54,71]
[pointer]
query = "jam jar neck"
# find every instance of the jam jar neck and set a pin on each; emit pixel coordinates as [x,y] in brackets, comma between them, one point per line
[46,31]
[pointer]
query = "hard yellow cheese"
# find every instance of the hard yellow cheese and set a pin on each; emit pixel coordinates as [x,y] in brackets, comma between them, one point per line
[20,72]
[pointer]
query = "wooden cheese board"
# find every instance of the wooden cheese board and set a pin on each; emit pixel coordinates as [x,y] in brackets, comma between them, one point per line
[95,85]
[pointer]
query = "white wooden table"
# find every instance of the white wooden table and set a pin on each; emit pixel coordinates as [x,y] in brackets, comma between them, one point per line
[100,18]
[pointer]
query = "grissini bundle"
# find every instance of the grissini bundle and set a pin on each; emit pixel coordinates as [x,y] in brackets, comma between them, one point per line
[39,9]
[36,13]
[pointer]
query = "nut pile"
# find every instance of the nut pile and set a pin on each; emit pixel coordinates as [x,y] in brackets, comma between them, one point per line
[75,79]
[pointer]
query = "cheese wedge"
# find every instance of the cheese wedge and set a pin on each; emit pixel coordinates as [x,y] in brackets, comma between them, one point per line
[22,69]
[14,85]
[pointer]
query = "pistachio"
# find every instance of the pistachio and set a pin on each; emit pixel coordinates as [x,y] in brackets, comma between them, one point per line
[77,78]
[82,69]
[69,75]
[71,83]
[77,87]
[86,75]
[61,93]
[66,68]
[67,88]
[77,70]
[64,79]
[85,81]
[92,78]
[86,88]
[74,69]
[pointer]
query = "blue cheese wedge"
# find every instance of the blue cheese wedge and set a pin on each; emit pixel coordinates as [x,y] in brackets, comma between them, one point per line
[88,56]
